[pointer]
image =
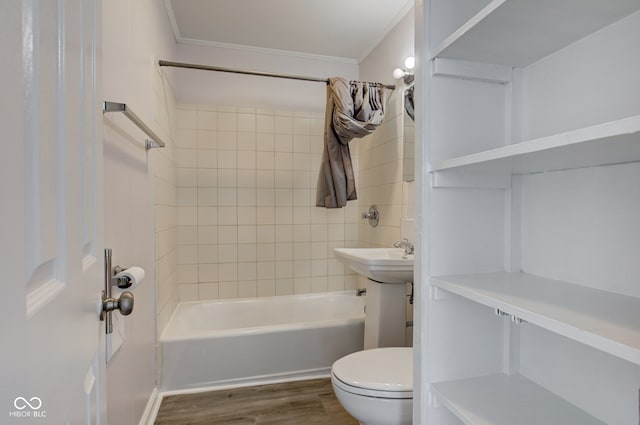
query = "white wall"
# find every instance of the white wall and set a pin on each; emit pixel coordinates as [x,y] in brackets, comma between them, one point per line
[563,94]
[390,53]
[134,32]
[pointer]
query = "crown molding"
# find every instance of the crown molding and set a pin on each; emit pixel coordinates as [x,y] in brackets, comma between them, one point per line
[409,5]
[172,20]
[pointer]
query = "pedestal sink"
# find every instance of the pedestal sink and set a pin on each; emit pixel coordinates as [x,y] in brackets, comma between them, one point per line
[384,265]
[387,271]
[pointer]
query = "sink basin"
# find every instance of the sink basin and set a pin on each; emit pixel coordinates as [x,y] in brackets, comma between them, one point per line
[385,265]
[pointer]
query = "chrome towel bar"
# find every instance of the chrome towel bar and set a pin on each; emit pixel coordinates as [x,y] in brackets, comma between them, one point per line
[153,142]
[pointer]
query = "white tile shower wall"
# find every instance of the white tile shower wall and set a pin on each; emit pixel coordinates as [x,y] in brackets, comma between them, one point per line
[381,161]
[381,182]
[247,224]
[166,200]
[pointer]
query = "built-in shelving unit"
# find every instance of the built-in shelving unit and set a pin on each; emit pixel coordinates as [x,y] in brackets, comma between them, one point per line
[609,143]
[604,320]
[506,400]
[519,32]
[563,205]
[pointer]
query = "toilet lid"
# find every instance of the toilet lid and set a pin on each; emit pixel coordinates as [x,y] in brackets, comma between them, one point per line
[388,370]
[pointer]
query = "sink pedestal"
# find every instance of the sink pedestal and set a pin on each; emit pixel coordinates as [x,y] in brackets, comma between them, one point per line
[386,315]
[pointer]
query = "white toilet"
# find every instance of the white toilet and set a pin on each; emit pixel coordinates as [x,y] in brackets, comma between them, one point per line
[376,386]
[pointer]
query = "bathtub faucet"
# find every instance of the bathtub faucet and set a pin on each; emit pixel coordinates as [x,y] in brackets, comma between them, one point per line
[404,243]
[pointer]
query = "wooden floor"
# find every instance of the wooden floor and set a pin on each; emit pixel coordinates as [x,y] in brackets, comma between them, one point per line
[292,403]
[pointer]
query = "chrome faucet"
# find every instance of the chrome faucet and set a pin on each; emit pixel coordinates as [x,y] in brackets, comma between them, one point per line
[404,243]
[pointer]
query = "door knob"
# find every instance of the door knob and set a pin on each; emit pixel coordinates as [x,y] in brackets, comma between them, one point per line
[124,304]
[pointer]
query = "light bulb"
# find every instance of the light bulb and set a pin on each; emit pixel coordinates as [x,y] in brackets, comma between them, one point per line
[410,62]
[398,73]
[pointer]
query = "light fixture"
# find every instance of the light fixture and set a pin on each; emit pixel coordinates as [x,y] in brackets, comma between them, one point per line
[406,73]
[410,62]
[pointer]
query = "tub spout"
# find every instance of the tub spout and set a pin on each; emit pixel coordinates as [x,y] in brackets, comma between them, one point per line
[361,291]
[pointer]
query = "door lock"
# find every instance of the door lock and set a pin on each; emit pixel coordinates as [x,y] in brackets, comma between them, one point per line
[124,304]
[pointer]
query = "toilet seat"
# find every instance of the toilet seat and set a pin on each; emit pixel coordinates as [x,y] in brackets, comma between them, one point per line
[379,372]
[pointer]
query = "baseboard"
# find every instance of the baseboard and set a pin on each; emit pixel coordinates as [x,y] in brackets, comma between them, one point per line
[251,381]
[151,411]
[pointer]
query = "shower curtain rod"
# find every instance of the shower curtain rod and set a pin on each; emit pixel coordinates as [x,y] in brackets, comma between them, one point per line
[238,71]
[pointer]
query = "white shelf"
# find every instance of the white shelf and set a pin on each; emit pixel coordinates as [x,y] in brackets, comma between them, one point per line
[507,400]
[609,143]
[606,321]
[519,32]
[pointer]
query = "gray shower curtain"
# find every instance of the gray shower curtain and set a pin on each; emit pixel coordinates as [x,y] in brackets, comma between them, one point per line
[354,109]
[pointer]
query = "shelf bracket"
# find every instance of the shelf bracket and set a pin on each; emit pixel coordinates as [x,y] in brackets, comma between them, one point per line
[438,294]
[514,319]
[433,401]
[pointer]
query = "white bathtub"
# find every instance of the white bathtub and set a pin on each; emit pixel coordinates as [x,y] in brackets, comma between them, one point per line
[254,340]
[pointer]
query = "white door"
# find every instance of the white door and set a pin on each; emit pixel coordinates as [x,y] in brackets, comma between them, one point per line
[51,255]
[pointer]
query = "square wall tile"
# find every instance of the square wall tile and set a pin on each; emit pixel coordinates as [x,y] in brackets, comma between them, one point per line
[186,158]
[247,178]
[247,234]
[188,197]
[186,119]
[247,253]
[228,254]
[247,271]
[207,139]
[227,121]
[207,235]
[265,123]
[208,291]
[227,234]
[266,270]
[227,140]
[227,216]
[227,197]
[207,178]
[247,141]
[227,290]
[207,254]
[247,289]
[284,286]
[187,216]
[186,138]
[265,142]
[207,197]
[227,178]
[187,292]
[186,177]
[228,272]
[207,272]
[187,235]
[266,287]
[207,120]
[302,285]
[207,216]
[246,122]
[266,234]
[188,273]
[246,197]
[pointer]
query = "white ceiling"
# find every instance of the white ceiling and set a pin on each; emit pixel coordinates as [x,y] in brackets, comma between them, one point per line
[347,29]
